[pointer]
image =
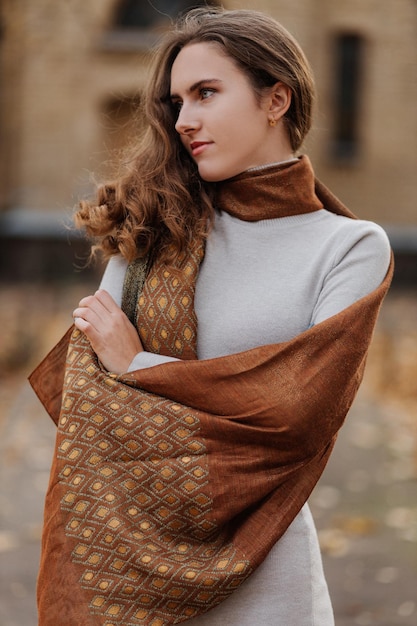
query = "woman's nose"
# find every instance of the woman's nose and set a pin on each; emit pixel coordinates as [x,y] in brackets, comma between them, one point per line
[186,123]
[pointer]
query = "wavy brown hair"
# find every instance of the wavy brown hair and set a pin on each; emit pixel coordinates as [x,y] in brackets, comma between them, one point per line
[161,205]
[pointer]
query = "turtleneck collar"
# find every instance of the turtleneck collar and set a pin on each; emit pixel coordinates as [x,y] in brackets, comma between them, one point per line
[279,190]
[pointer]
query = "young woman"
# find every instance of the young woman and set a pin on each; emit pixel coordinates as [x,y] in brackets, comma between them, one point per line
[192,432]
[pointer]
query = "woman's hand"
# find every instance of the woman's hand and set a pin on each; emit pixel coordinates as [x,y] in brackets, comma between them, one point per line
[111,335]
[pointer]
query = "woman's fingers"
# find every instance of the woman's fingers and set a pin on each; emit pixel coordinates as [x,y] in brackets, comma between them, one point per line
[106,300]
[112,336]
[100,304]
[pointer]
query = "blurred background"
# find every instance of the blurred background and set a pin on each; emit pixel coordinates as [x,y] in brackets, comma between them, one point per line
[71,77]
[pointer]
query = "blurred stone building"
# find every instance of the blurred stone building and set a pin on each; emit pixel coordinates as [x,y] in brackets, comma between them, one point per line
[71,76]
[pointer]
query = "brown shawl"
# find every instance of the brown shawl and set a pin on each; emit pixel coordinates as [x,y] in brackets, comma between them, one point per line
[170,485]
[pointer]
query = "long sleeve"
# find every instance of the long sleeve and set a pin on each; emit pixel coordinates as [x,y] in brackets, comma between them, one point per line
[112,281]
[360,263]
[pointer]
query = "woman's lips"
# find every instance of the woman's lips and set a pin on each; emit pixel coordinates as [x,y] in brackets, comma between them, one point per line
[197,147]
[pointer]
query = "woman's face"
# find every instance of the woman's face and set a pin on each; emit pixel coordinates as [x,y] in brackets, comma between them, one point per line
[220,121]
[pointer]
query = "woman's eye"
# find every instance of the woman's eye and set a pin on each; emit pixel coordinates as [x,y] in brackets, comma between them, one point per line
[206,92]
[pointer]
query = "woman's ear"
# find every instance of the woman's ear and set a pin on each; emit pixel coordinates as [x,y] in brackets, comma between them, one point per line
[279,101]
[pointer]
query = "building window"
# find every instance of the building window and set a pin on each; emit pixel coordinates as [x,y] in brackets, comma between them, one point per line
[146,14]
[348,69]
[136,24]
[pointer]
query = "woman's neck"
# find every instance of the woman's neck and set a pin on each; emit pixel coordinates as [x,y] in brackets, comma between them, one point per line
[288,161]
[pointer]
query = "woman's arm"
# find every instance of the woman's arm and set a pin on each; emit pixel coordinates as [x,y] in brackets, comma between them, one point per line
[359,266]
[112,336]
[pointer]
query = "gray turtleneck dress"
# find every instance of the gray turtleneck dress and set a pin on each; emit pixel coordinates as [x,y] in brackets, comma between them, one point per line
[265,282]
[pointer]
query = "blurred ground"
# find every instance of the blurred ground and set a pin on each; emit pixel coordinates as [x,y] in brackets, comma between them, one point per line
[365,505]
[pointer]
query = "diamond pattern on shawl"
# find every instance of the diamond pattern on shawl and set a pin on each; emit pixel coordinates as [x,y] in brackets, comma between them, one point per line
[135,495]
[167,321]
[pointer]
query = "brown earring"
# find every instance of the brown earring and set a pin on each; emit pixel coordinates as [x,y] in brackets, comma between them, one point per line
[272,122]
